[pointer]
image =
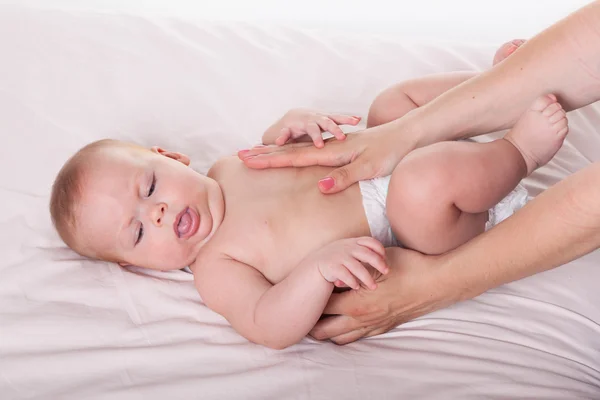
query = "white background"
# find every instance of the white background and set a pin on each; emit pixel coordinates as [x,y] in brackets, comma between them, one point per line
[464,20]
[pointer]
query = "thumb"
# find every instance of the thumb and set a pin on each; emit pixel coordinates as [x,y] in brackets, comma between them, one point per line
[343,177]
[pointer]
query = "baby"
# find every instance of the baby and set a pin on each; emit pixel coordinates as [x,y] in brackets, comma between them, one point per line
[266,247]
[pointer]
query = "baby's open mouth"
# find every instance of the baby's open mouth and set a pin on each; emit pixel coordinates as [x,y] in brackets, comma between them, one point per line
[186,223]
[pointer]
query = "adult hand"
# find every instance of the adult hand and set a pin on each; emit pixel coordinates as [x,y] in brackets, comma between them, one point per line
[414,286]
[372,153]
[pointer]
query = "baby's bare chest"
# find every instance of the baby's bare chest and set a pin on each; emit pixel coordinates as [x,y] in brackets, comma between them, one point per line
[275,218]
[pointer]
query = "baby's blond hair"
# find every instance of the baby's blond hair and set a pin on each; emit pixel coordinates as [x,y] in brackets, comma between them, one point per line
[67,192]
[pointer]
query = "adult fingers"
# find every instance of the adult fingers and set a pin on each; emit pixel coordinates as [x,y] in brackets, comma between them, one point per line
[361,332]
[296,155]
[268,149]
[343,177]
[352,336]
[334,326]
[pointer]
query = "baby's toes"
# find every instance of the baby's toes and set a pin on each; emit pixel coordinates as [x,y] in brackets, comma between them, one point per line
[563,132]
[551,109]
[561,128]
[543,102]
[558,116]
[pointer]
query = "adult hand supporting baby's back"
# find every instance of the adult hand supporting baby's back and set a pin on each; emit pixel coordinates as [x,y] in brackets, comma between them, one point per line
[368,154]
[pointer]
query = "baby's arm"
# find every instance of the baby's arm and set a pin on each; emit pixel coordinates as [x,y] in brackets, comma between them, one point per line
[275,316]
[280,315]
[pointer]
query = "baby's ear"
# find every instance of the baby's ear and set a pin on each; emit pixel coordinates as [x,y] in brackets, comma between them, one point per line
[182,158]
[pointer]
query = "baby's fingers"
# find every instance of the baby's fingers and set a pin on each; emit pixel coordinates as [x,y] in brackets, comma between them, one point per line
[314,131]
[372,258]
[341,119]
[359,271]
[284,135]
[346,277]
[328,125]
[373,244]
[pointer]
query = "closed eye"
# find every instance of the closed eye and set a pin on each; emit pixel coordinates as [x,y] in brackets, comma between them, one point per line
[140,234]
[140,231]
[152,186]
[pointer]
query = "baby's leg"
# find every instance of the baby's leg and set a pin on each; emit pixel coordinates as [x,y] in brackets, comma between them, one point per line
[506,50]
[403,97]
[439,196]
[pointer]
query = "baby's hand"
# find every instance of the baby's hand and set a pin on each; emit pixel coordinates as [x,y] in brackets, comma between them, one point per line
[299,123]
[341,262]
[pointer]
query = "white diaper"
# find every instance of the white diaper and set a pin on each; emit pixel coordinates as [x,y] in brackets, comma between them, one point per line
[507,206]
[374,193]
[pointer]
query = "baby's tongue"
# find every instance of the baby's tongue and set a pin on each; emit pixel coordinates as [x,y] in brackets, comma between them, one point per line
[184,224]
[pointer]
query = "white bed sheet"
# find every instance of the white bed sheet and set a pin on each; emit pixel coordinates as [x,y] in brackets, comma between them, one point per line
[76,329]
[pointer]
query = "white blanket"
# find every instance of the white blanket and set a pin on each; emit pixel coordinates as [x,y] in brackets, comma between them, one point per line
[76,329]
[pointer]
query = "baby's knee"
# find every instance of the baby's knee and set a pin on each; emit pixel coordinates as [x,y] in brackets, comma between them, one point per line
[411,204]
[418,206]
[418,180]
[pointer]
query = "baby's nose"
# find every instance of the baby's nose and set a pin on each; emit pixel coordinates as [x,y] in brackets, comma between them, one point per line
[158,213]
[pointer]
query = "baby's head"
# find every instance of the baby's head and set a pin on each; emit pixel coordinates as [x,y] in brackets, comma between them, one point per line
[121,202]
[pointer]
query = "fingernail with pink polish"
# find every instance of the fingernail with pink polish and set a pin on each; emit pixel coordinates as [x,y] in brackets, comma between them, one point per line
[326,183]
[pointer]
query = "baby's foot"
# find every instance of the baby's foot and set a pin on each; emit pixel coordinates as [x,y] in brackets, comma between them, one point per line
[507,49]
[540,131]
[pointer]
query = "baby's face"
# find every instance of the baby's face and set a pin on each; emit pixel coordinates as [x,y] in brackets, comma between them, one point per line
[147,208]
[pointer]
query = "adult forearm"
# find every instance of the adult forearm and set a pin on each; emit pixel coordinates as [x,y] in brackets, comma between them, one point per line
[564,60]
[560,225]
